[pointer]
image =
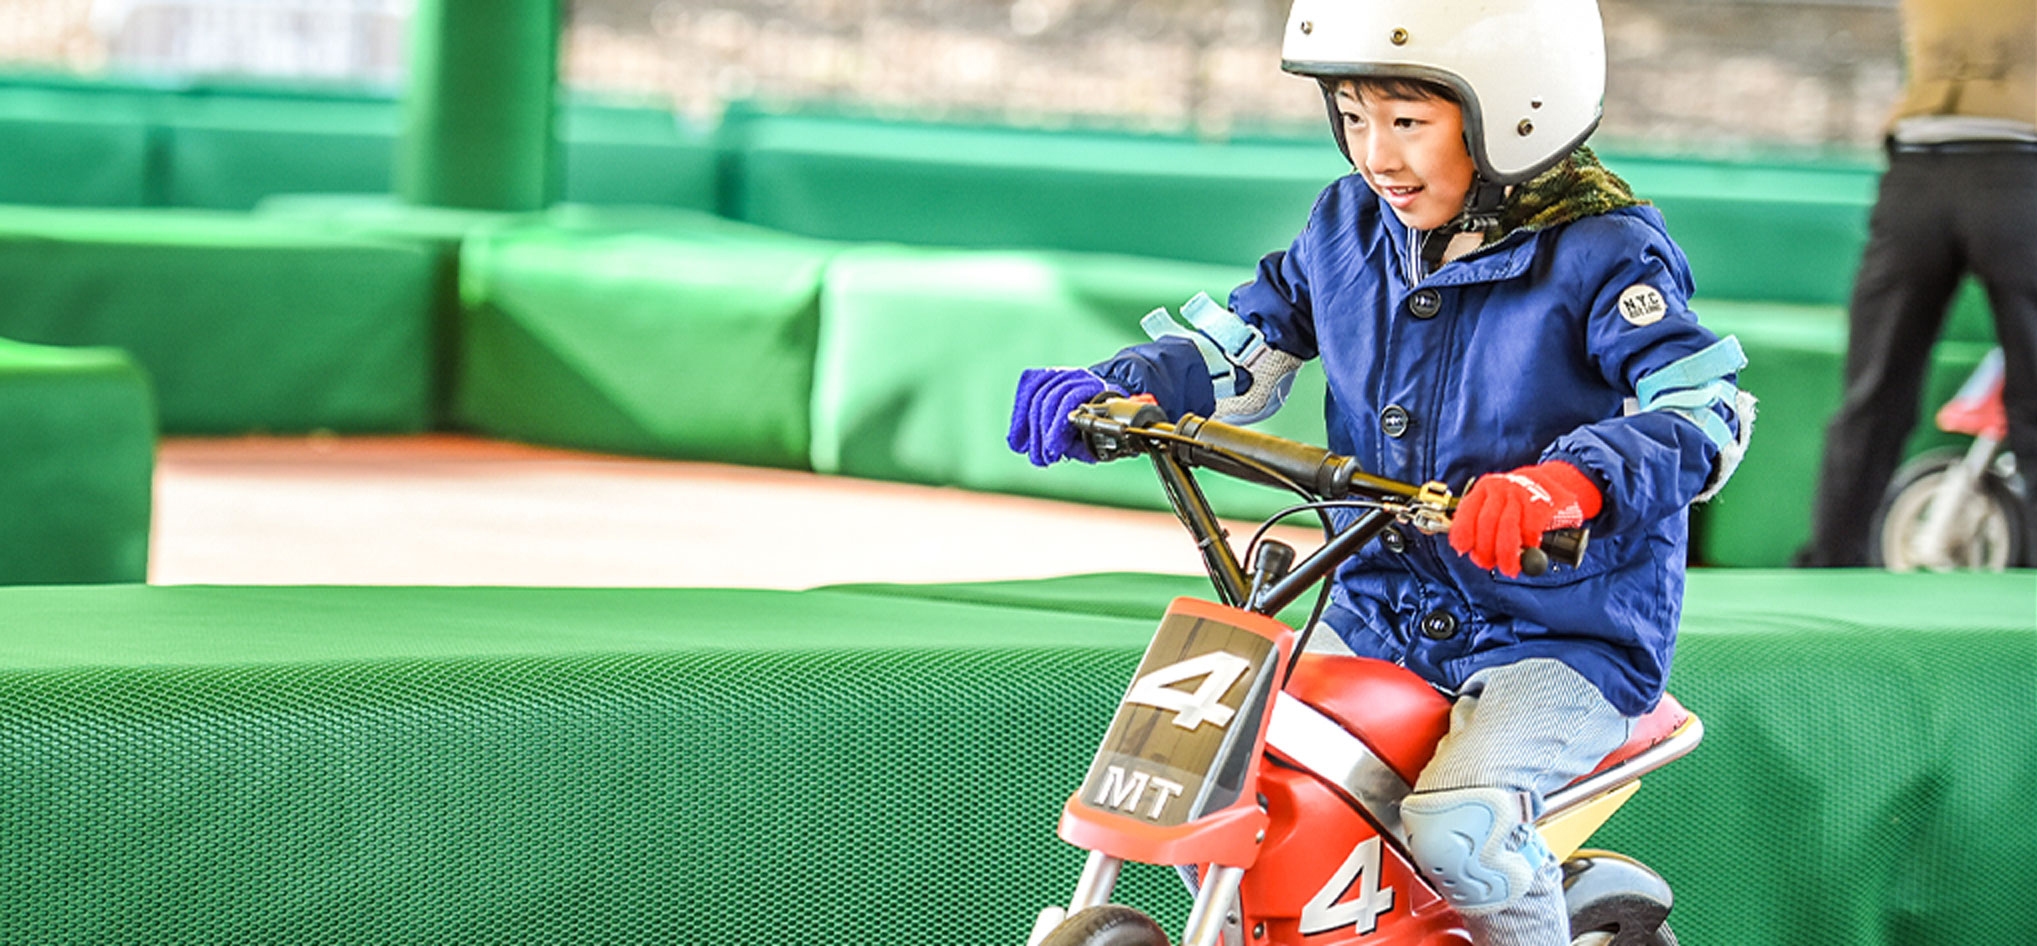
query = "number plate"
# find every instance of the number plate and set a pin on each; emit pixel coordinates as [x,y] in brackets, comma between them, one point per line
[1188,727]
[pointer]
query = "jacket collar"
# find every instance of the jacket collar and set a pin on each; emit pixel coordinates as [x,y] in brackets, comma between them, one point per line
[1577,187]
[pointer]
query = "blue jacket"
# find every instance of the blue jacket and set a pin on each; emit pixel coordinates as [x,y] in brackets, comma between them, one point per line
[1520,352]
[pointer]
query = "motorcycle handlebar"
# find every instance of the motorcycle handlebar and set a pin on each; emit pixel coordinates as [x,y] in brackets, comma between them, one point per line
[1115,428]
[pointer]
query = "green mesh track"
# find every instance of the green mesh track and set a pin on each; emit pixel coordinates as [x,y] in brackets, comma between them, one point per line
[396,766]
[885,764]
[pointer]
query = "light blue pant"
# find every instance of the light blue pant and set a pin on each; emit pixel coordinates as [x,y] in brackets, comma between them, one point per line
[1529,727]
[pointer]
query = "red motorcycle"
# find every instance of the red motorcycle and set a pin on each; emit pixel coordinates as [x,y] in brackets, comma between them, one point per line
[1957,509]
[1275,775]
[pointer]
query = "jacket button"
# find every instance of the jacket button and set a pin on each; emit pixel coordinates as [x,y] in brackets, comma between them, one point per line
[1394,421]
[1425,303]
[1393,540]
[1439,625]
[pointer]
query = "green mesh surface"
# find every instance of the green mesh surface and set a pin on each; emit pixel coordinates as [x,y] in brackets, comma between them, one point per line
[448,766]
[885,764]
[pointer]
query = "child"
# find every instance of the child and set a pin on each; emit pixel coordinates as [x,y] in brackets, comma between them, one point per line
[1485,298]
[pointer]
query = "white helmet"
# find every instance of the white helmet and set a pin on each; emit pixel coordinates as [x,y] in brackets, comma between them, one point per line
[1531,73]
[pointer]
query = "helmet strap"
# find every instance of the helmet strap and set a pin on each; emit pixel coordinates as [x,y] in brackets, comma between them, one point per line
[1336,121]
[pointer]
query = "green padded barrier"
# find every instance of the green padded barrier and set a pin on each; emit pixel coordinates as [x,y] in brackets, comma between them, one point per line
[886,764]
[439,231]
[75,148]
[658,333]
[650,156]
[229,152]
[77,458]
[1772,233]
[243,323]
[1795,365]
[992,187]
[920,353]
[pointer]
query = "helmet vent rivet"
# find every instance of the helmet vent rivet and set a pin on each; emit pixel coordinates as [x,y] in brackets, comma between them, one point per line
[1400,37]
[1526,128]
[1307,27]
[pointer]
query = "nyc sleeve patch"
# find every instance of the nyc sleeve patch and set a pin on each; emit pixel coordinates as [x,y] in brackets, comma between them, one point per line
[1641,304]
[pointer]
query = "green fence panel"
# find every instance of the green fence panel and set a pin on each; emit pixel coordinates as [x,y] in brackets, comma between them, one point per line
[242,323]
[986,187]
[372,765]
[1796,358]
[663,334]
[79,430]
[921,350]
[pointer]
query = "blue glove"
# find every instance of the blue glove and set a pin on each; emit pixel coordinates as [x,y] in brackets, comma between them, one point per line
[1039,415]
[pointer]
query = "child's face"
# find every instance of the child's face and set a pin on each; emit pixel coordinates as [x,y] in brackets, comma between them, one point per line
[1411,152]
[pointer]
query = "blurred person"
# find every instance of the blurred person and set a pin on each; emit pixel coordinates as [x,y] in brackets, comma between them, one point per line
[1495,310]
[1959,196]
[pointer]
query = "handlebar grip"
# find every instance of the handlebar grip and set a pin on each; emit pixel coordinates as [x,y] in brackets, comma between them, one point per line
[1318,470]
[1562,545]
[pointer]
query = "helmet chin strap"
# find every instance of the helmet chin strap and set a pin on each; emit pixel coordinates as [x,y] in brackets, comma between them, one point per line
[1480,213]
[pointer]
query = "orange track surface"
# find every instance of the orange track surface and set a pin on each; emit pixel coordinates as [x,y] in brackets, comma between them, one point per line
[448,510]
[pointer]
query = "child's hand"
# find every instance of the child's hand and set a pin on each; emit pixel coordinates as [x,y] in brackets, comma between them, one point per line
[1039,415]
[1504,513]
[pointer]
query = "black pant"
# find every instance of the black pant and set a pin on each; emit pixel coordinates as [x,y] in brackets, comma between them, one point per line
[1941,213]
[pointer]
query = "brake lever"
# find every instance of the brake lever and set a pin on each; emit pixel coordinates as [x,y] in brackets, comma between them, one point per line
[1430,511]
[1106,424]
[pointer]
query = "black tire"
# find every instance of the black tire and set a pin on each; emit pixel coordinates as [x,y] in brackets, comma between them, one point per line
[1662,936]
[1993,538]
[1107,925]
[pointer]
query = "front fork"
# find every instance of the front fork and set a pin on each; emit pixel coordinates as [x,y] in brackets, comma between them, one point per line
[1214,920]
[1950,501]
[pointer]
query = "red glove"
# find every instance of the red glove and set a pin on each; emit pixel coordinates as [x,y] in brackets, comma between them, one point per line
[1504,513]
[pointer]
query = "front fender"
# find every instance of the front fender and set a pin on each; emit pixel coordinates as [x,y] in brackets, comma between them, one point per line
[1608,891]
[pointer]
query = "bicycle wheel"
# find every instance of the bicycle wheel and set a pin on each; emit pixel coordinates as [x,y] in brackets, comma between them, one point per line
[1986,534]
[1107,925]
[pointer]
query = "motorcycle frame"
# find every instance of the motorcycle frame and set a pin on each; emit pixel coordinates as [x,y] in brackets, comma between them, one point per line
[1301,736]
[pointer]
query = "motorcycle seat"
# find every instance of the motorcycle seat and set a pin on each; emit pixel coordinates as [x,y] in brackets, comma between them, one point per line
[1401,717]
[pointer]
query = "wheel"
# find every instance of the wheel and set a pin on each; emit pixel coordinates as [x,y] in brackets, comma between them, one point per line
[1661,937]
[1107,925]
[1988,531]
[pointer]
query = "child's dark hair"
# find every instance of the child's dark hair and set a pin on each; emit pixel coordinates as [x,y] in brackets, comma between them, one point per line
[1400,88]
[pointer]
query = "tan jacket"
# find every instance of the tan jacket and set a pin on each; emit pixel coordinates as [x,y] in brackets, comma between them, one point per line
[1970,57]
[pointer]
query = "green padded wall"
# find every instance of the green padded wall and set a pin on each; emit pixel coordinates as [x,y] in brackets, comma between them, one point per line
[628,156]
[1796,358]
[885,764]
[920,353]
[65,146]
[1776,233]
[242,323]
[658,333]
[77,458]
[998,187]
[227,152]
